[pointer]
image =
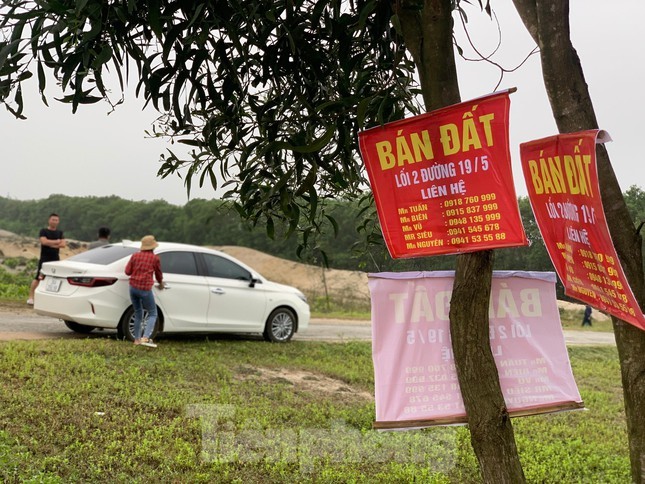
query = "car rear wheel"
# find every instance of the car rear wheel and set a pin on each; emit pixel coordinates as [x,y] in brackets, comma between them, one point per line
[125,330]
[79,328]
[280,326]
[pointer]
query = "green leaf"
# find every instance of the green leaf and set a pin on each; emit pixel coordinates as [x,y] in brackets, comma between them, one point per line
[313,203]
[80,5]
[325,259]
[168,43]
[270,228]
[312,147]
[396,23]
[196,15]
[42,80]
[366,11]
[176,92]
[334,224]
[104,56]
[16,34]
[6,50]
[190,142]
[89,99]
[362,110]
[308,183]
[95,30]
[154,17]
[18,100]
[24,76]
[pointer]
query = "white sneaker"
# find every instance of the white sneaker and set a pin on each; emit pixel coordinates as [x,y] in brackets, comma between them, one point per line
[148,342]
[30,301]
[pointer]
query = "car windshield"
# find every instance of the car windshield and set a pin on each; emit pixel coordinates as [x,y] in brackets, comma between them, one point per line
[104,255]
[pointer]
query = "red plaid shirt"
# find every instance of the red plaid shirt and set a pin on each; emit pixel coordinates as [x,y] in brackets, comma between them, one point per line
[141,267]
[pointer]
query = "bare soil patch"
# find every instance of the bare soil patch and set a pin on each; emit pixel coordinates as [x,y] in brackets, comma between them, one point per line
[304,380]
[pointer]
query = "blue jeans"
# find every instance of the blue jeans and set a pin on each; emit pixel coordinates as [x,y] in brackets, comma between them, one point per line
[143,300]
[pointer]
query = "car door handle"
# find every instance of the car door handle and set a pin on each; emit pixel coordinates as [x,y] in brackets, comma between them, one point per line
[218,291]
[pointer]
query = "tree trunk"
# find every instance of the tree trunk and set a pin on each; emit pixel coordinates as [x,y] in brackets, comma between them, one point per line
[548,24]
[427,31]
[491,431]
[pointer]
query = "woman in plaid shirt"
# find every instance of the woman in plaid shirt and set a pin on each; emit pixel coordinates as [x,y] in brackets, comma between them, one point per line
[141,267]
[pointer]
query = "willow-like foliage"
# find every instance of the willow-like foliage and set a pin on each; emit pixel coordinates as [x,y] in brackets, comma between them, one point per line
[269,94]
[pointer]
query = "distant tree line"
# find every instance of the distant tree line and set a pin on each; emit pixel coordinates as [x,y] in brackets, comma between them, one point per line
[215,222]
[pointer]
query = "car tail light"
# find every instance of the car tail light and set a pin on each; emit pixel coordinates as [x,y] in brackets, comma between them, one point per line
[91,281]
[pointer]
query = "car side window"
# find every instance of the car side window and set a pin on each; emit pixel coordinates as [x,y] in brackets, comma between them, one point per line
[220,267]
[178,263]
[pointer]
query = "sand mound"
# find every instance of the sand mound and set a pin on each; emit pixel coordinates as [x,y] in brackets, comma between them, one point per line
[12,245]
[313,281]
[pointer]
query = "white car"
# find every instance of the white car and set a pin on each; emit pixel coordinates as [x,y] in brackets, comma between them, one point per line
[206,291]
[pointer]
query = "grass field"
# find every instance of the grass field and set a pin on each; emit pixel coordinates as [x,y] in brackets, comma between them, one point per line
[230,410]
[222,410]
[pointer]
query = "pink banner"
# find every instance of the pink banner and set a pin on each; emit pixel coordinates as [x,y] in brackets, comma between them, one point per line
[415,379]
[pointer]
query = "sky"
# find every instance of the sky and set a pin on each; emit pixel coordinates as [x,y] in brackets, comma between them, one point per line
[93,153]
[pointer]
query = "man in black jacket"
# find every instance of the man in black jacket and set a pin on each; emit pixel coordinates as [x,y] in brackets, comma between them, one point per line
[51,241]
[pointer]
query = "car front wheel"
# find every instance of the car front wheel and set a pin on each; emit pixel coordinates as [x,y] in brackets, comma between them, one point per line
[125,330]
[79,328]
[280,326]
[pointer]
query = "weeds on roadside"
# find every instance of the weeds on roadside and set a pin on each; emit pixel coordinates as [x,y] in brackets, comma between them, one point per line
[15,281]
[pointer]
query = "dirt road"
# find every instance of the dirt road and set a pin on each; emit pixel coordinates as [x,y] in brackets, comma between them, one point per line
[18,322]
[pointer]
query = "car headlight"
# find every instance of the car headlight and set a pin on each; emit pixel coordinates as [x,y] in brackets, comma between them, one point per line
[302,296]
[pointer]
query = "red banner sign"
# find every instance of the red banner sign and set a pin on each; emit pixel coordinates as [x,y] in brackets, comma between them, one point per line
[442,181]
[562,182]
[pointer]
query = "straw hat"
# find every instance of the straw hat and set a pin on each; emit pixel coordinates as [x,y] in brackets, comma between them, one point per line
[149,243]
